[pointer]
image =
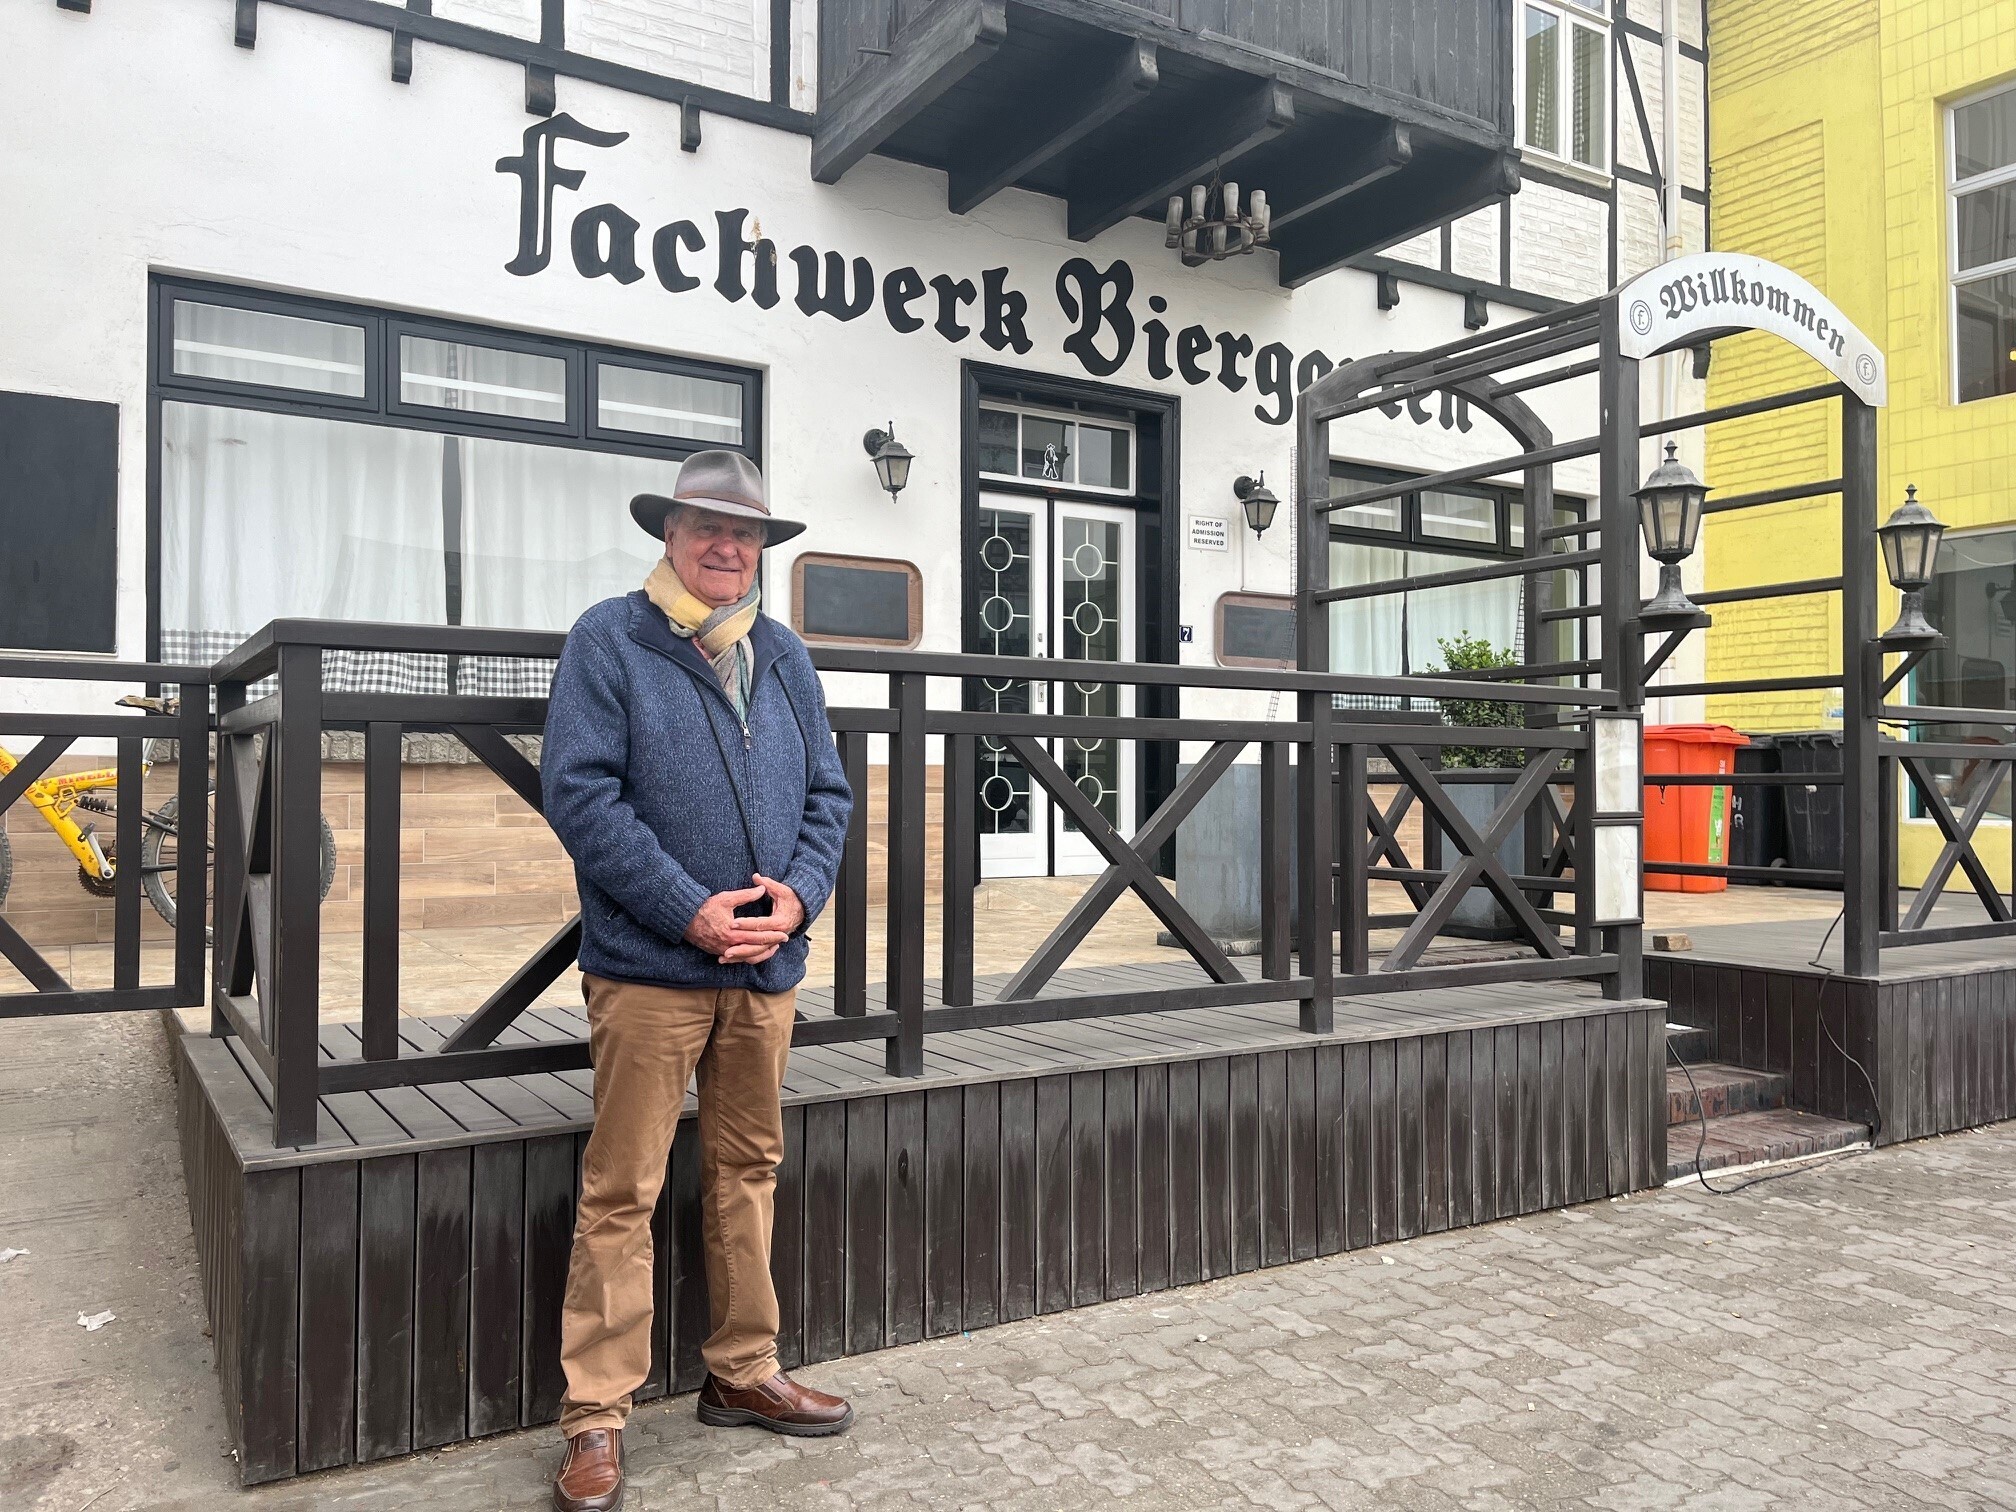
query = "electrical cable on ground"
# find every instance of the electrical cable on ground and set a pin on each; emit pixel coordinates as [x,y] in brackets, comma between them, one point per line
[1701,1113]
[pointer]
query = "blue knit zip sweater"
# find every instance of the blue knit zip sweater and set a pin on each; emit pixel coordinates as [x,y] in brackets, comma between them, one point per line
[664,797]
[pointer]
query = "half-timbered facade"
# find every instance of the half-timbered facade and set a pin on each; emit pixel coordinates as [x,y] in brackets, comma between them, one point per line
[368,311]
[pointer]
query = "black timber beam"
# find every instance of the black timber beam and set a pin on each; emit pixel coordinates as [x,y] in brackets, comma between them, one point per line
[1396,209]
[1331,178]
[888,93]
[1172,162]
[1077,107]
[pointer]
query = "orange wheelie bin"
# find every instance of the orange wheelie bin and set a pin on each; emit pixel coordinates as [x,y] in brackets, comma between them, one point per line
[1687,824]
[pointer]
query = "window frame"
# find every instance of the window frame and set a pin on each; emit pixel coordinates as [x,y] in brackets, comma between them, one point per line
[1914,809]
[380,403]
[675,367]
[1068,417]
[1570,13]
[200,388]
[1410,537]
[521,427]
[1956,279]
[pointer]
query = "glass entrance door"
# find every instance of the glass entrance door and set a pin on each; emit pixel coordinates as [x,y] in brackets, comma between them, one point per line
[1012,614]
[1093,609]
[1055,581]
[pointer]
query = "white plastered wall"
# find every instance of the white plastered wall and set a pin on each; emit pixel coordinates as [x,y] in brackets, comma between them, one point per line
[143,141]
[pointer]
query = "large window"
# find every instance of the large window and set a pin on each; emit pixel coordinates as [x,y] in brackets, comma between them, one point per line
[1972,599]
[1983,236]
[1412,536]
[1563,63]
[328,462]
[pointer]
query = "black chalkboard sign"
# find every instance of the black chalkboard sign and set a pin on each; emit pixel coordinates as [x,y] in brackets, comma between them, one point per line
[1256,630]
[857,599]
[59,510]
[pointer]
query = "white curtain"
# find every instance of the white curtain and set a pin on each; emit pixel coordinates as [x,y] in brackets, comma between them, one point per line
[1366,634]
[1489,611]
[1398,633]
[265,516]
[547,531]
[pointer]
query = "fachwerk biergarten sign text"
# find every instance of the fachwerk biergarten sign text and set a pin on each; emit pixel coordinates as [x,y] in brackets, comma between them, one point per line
[1108,325]
[1680,302]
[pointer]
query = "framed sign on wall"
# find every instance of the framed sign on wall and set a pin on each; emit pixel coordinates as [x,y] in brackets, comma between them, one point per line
[1256,630]
[856,601]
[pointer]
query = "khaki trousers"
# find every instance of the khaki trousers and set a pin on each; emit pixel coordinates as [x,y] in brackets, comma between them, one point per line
[646,1044]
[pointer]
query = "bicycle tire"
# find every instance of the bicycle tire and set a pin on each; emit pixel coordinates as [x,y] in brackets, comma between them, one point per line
[6,865]
[153,879]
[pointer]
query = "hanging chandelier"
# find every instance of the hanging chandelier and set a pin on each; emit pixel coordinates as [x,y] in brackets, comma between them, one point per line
[1213,227]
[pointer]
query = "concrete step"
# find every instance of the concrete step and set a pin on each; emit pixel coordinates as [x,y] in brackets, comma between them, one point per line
[1742,1139]
[1723,1090]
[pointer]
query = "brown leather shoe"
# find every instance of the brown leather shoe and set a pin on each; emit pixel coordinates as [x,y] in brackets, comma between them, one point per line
[591,1476]
[779,1404]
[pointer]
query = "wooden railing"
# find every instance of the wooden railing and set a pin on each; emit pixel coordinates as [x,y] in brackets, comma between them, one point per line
[129,733]
[266,974]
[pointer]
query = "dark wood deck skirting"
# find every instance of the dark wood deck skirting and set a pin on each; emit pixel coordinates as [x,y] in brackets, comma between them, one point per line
[1934,1037]
[397,1285]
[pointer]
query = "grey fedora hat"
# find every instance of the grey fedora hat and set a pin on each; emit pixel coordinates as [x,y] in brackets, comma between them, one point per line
[724,481]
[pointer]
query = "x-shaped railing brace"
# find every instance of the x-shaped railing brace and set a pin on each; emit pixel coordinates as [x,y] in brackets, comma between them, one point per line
[1959,848]
[1130,866]
[246,944]
[1479,864]
[26,958]
[503,1006]
[1561,853]
[1385,827]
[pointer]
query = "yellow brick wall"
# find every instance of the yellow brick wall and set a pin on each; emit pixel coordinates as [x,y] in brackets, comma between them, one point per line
[1771,200]
[1961,456]
[1827,120]
[1750,38]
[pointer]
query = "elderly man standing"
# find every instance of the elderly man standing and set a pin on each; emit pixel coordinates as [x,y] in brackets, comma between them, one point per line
[689,770]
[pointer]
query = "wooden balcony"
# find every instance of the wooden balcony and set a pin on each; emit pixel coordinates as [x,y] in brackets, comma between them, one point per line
[1365,121]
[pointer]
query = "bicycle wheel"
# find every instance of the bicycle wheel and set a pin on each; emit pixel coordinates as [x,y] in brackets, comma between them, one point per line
[6,864]
[159,852]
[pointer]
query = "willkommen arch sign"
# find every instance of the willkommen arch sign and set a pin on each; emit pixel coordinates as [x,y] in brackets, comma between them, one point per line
[1710,294]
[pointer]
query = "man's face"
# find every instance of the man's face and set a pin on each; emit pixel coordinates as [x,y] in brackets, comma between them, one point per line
[714,554]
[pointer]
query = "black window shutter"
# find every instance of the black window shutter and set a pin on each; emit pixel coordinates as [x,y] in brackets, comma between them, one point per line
[59,519]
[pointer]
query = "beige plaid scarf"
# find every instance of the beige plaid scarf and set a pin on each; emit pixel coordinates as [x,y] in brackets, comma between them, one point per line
[722,634]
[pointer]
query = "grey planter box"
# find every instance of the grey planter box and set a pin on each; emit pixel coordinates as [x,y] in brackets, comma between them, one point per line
[1480,916]
[1218,856]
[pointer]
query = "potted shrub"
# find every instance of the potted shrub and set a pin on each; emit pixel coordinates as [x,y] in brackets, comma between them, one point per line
[1480,915]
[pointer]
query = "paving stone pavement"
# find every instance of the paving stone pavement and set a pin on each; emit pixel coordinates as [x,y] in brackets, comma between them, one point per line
[1844,1338]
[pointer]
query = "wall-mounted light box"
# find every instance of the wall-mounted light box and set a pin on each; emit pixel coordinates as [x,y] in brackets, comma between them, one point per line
[1617,823]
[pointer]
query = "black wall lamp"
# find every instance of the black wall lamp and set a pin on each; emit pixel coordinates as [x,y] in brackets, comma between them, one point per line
[1669,514]
[1258,500]
[1910,540]
[891,457]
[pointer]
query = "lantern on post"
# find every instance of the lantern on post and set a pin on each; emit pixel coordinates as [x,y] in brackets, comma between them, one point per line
[891,457]
[1910,540]
[1669,515]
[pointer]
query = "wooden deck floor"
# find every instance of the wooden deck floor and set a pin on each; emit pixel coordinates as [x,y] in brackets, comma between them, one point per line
[408,1119]
[1794,944]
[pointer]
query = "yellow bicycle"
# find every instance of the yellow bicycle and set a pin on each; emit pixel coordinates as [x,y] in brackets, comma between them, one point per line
[69,804]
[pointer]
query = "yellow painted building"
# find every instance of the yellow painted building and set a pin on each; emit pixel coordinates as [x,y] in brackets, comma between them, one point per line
[1870,145]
